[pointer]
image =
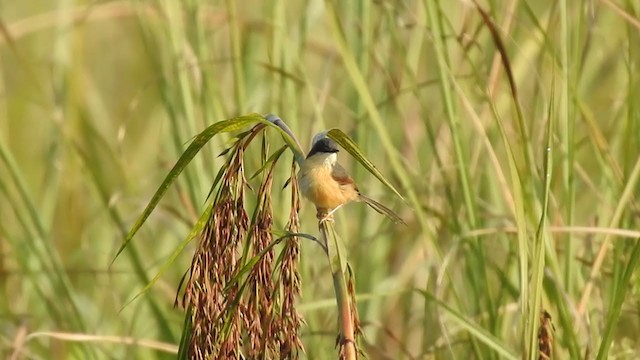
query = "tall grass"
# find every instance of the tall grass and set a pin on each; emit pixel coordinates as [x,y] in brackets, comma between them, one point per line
[520,192]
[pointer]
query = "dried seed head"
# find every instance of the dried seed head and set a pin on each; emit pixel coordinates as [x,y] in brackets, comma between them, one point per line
[260,281]
[235,312]
[287,328]
[210,293]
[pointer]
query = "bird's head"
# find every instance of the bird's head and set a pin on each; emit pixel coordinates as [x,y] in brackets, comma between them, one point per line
[323,145]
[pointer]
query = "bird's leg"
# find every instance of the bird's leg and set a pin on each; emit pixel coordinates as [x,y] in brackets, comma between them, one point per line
[321,214]
[329,215]
[334,210]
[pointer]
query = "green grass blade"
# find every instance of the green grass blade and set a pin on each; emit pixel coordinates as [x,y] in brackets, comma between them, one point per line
[623,202]
[381,126]
[195,231]
[196,144]
[136,260]
[441,54]
[615,306]
[183,350]
[520,204]
[341,138]
[537,270]
[475,330]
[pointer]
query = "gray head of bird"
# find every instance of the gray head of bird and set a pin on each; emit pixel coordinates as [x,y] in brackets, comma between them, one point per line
[323,145]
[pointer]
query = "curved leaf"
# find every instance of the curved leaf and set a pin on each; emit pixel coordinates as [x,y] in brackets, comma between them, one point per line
[350,146]
[195,231]
[287,136]
[198,142]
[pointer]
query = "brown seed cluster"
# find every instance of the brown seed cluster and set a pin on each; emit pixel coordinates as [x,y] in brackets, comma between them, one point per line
[240,295]
[210,292]
[260,283]
[289,289]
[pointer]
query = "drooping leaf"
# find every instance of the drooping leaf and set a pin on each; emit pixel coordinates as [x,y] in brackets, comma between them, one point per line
[288,137]
[196,145]
[195,231]
[350,146]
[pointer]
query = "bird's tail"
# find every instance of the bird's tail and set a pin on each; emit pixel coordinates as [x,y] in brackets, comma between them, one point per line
[381,209]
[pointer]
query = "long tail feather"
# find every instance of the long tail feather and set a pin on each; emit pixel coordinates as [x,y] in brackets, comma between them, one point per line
[381,209]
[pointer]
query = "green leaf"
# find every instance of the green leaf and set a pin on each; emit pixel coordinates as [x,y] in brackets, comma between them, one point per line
[473,329]
[269,162]
[198,142]
[195,231]
[538,261]
[335,249]
[287,135]
[615,306]
[183,350]
[350,146]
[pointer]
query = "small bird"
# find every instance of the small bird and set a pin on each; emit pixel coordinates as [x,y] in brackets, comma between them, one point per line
[327,184]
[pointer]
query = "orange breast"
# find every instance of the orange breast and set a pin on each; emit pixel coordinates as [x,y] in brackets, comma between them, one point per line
[318,185]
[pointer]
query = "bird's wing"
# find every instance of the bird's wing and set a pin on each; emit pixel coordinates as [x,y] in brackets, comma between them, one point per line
[340,175]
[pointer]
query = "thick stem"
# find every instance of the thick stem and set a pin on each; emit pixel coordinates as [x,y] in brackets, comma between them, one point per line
[346,338]
[338,263]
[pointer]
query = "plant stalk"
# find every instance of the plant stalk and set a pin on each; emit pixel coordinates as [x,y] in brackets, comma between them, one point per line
[337,260]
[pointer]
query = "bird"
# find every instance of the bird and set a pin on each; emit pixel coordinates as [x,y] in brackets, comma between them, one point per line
[327,184]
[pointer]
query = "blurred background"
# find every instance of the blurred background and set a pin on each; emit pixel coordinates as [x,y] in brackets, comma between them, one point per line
[98,99]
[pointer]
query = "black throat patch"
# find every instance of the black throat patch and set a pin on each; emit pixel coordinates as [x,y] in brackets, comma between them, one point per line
[324,145]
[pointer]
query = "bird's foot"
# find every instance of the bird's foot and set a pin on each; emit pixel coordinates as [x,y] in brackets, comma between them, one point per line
[322,216]
[325,218]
